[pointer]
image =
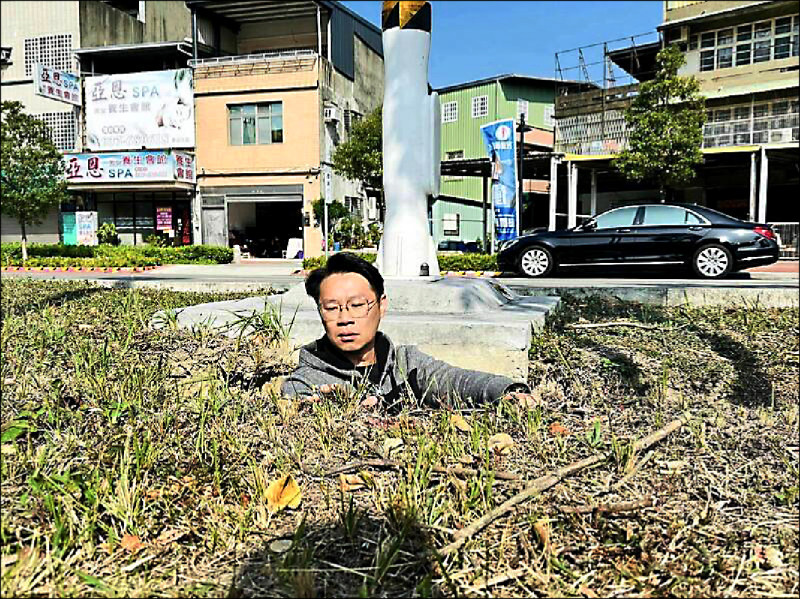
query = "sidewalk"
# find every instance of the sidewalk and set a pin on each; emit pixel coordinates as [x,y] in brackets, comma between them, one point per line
[781,266]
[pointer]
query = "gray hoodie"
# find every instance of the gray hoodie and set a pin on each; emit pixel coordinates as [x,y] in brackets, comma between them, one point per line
[402,368]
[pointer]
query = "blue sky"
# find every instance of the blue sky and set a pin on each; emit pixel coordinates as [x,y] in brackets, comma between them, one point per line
[477,39]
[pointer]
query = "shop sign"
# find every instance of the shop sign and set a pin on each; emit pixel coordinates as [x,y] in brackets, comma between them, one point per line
[57,85]
[123,167]
[164,218]
[86,226]
[153,109]
[501,147]
[69,231]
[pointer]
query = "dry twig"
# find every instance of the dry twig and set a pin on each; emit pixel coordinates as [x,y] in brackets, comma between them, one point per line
[545,482]
[612,508]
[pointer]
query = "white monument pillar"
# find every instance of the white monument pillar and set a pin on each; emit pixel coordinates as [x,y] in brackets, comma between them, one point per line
[411,141]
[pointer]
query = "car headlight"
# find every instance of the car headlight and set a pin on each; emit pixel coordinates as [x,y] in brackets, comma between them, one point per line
[504,245]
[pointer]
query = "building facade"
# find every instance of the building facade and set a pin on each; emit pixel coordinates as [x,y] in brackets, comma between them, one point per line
[272,102]
[458,214]
[744,54]
[97,40]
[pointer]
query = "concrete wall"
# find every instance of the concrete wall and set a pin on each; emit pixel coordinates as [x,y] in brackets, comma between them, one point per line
[362,94]
[18,21]
[279,35]
[674,11]
[21,20]
[103,25]
[47,232]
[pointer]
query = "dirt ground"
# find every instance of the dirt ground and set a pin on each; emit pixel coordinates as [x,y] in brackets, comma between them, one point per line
[138,461]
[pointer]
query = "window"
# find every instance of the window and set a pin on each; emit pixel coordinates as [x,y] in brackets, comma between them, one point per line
[664,215]
[350,117]
[522,108]
[783,43]
[54,51]
[749,43]
[451,223]
[449,112]
[743,124]
[621,217]
[693,219]
[707,60]
[63,129]
[549,115]
[251,124]
[725,58]
[480,106]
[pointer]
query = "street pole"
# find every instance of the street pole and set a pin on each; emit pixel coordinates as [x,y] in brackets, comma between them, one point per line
[325,226]
[519,170]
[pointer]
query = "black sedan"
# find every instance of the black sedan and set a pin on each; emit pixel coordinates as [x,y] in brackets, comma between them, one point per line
[711,243]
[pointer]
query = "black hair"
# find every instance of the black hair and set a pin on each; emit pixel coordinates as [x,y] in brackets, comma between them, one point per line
[344,262]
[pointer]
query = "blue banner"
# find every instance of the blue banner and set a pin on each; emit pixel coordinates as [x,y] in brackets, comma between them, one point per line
[501,146]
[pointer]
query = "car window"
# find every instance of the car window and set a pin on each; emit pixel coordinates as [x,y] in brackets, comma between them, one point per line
[621,217]
[693,219]
[664,215]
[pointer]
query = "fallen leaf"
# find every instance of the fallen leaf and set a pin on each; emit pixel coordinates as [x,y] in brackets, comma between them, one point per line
[391,444]
[370,402]
[773,557]
[280,546]
[587,592]
[557,430]
[130,543]
[501,442]
[283,493]
[542,530]
[351,482]
[457,420]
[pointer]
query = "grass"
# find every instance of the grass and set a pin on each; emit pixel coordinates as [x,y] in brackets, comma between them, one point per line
[137,461]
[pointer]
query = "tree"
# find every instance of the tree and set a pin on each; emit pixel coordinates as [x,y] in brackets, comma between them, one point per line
[31,170]
[665,127]
[336,211]
[360,158]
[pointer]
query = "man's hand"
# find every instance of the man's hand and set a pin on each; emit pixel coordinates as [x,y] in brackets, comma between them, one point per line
[327,391]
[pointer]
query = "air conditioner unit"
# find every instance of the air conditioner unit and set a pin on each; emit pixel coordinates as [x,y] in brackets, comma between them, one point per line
[780,135]
[330,114]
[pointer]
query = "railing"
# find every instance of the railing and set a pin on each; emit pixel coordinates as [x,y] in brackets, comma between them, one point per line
[219,61]
[789,239]
[674,4]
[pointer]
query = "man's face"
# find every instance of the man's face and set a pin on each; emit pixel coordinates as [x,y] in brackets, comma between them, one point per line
[346,331]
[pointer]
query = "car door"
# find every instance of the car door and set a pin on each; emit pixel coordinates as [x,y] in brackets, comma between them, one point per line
[665,234]
[599,240]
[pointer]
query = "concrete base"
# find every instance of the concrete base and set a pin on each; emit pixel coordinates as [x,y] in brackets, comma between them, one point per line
[471,323]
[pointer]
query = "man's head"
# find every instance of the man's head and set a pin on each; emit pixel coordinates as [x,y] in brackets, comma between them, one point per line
[351,301]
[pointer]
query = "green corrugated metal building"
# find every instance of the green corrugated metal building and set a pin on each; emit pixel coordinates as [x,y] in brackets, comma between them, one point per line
[466,107]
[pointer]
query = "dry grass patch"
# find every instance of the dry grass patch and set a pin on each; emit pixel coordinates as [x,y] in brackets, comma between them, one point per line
[163,462]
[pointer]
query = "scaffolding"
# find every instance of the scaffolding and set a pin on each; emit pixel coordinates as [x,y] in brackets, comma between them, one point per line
[590,118]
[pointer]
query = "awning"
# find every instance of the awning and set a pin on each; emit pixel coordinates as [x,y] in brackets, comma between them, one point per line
[154,186]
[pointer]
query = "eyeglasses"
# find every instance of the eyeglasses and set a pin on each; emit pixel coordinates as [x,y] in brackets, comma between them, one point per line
[356,308]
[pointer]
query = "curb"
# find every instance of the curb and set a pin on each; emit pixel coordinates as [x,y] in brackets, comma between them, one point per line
[476,274]
[77,268]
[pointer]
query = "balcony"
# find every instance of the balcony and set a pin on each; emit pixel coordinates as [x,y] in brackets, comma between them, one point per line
[291,61]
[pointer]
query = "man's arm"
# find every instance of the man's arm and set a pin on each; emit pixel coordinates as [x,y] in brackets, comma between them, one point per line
[295,386]
[434,380]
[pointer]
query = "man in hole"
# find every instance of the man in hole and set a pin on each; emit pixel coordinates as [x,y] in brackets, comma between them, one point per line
[349,294]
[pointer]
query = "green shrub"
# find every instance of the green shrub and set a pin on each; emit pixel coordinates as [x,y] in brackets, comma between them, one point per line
[107,234]
[56,254]
[461,262]
[454,262]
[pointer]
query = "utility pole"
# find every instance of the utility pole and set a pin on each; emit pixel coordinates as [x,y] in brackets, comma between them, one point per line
[521,129]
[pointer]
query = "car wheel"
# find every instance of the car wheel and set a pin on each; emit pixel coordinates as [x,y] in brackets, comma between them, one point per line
[536,262]
[712,261]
